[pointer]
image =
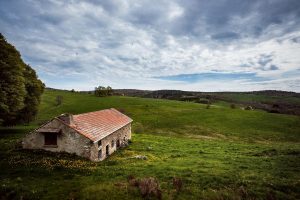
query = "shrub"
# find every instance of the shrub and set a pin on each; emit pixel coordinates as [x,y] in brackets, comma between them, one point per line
[249,108]
[177,184]
[133,181]
[149,187]
[189,98]
[130,177]
[232,106]
[274,111]
[138,127]
[243,192]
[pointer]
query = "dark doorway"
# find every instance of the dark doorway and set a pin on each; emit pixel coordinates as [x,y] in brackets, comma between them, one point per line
[118,143]
[100,154]
[107,150]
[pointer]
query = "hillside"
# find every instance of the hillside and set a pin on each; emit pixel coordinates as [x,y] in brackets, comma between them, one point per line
[218,153]
[269,100]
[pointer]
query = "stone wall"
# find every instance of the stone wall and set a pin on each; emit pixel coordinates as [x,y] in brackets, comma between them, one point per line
[123,135]
[67,141]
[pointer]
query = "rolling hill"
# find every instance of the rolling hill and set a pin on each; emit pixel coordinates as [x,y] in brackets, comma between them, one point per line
[218,153]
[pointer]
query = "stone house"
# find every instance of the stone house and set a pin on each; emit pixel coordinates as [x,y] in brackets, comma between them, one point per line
[94,135]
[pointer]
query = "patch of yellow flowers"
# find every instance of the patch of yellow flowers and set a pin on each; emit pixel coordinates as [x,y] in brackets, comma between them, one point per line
[50,163]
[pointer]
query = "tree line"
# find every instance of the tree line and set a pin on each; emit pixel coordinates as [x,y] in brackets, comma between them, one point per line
[20,88]
[101,91]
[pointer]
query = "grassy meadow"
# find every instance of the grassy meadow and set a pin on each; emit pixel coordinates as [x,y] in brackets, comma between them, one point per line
[218,153]
[246,97]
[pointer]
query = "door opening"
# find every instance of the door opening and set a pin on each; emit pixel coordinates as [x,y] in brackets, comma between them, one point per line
[107,150]
[100,154]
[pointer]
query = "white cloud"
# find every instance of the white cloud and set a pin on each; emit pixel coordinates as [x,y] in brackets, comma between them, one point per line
[125,44]
[175,11]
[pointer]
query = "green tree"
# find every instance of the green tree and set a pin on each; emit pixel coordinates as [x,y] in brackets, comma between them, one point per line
[34,88]
[109,90]
[101,91]
[20,89]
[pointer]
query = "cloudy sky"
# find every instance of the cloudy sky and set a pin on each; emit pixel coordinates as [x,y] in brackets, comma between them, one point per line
[215,45]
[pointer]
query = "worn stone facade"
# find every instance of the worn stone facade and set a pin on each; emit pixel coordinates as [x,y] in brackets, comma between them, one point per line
[106,146]
[70,141]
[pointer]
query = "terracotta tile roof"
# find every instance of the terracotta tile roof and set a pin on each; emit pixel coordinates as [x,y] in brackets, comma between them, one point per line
[99,124]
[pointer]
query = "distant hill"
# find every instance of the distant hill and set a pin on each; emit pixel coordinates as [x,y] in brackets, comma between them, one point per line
[273,101]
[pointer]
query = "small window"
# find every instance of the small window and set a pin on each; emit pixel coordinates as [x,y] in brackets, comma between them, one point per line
[99,143]
[100,154]
[50,139]
[112,143]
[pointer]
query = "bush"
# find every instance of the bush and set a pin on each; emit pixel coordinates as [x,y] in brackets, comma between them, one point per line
[149,187]
[138,127]
[177,184]
[232,106]
[133,181]
[249,108]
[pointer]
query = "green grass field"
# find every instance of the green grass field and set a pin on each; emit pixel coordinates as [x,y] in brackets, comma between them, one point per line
[219,153]
[246,97]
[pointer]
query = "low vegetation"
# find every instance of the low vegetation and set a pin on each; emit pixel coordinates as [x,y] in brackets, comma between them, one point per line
[190,153]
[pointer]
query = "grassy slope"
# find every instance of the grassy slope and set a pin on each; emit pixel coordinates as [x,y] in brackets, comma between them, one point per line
[218,152]
[239,97]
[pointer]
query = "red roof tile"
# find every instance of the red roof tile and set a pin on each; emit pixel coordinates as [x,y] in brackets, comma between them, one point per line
[99,124]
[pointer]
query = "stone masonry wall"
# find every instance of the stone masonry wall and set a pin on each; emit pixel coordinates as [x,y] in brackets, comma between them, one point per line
[123,135]
[67,141]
